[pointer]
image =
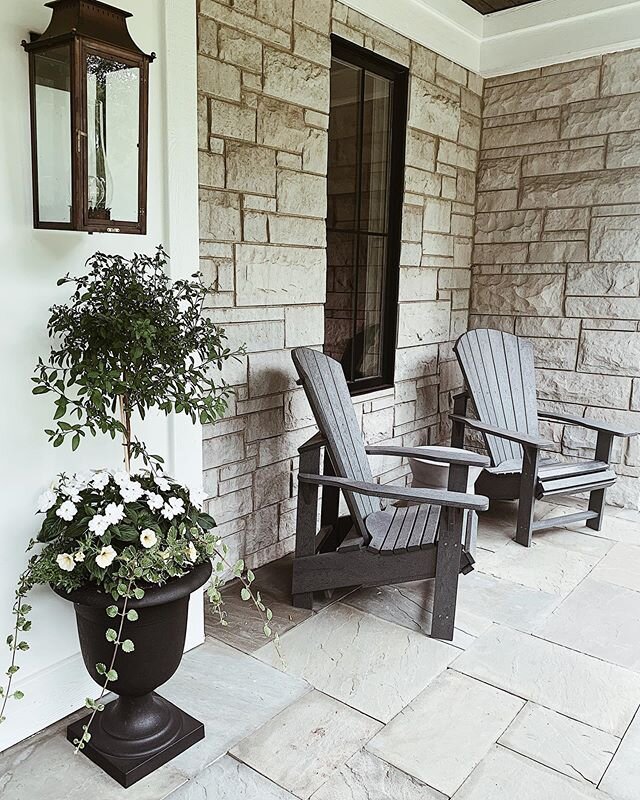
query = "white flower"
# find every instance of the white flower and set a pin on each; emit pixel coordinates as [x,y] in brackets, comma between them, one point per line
[46,501]
[67,511]
[100,480]
[197,497]
[82,479]
[173,507]
[114,513]
[131,492]
[154,501]
[105,557]
[79,557]
[121,478]
[66,562]
[161,482]
[71,490]
[166,554]
[193,553]
[148,538]
[98,524]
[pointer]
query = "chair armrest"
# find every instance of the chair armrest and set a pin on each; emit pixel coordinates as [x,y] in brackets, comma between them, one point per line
[590,424]
[434,497]
[450,456]
[524,439]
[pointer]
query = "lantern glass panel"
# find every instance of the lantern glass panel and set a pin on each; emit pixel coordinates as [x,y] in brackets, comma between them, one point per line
[52,74]
[113,132]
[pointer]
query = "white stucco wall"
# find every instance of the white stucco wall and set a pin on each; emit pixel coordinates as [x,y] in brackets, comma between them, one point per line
[52,675]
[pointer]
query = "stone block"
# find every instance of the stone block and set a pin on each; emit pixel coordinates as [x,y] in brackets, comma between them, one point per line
[557,252]
[218,79]
[274,274]
[615,239]
[270,373]
[254,227]
[304,325]
[295,80]
[418,283]
[514,135]
[437,216]
[315,15]
[281,125]
[433,110]
[423,62]
[315,152]
[236,47]
[220,216]
[207,37]
[585,160]
[606,115]
[251,168]
[422,323]
[412,224]
[603,307]
[509,226]
[421,182]
[624,150]
[620,73]
[600,280]
[582,189]
[521,294]
[555,353]
[377,426]
[262,529]
[264,424]
[470,130]
[284,229]
[437,244]
[501,200]
[542,92]
[312,45]
[223,450]
[232,121]
[515,253]
[231,506]
[579,387]
[610,352]
[211,170]
[421,150]
[499,173]
[567,219]
[465,186]
[457,156]
[416,362]
[301,194]
[244,19]
[278,13]
[297,412]
[548,327]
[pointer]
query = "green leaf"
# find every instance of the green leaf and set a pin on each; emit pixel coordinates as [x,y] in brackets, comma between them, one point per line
[269,613]
[245,594]
[112,611]
[132,615]
[101,669]
[112,675]
[111,635]
[18,695]
[267,630]
[138,593]
[40,390]
[75,442]
[128,646]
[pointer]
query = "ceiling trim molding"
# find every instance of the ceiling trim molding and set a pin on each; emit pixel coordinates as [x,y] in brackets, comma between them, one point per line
[541,34]
[555,31]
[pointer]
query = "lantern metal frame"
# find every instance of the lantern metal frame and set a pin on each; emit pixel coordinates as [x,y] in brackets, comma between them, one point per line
[89,27]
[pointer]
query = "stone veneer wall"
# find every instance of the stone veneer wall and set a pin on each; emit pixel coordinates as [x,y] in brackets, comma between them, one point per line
[263,107]
[557,241]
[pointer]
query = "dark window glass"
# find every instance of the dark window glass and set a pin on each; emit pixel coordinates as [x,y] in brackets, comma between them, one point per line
[367,130]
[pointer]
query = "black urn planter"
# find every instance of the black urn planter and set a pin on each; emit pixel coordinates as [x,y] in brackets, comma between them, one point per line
[139,731]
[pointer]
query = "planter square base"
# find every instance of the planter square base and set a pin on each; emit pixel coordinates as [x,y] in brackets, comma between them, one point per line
[129,770]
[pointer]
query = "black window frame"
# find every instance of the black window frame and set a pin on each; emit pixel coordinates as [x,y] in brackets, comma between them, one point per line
[398,74]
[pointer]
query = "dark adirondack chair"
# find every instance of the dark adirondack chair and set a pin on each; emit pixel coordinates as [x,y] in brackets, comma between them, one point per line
[433,537]
[499,373]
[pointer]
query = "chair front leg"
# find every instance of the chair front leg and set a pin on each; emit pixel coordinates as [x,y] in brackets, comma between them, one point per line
[457,429]
[526,503]
[306,520]
[604,449]
[447,573]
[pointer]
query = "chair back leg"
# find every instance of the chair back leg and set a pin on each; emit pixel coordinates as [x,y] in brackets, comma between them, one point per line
[526,503]
[306,519]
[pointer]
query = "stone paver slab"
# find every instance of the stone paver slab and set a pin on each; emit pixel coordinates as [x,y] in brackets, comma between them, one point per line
[621,566]
[602,695]
[622,779]
[228,779]
[446,731]
[571,747]
[363,661]
[301,747]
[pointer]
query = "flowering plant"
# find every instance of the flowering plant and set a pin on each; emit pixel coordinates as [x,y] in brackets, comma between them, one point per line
[128,340]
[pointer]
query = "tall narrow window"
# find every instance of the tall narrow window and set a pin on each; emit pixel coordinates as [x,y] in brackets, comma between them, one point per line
[367,129]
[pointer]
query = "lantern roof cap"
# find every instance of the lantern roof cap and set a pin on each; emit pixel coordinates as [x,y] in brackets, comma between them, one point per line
[88,19]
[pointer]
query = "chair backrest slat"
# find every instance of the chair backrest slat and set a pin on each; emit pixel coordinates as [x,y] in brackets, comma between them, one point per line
[326,389]
[499,371]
